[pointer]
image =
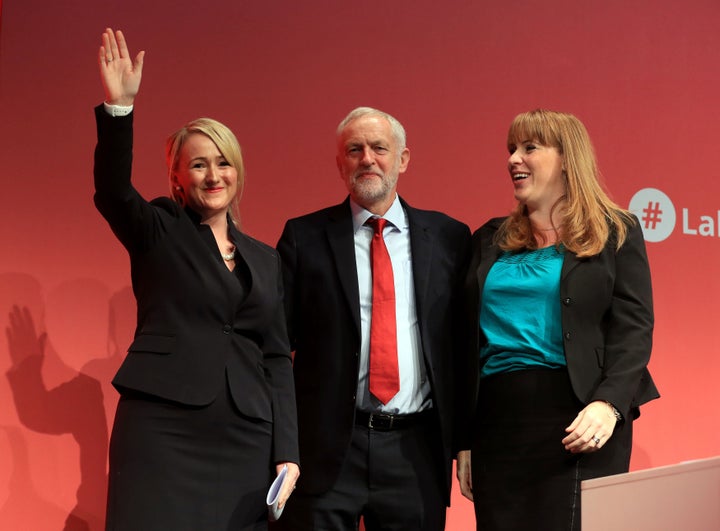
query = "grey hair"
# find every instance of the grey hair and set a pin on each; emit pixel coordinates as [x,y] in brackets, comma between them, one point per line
[398,130]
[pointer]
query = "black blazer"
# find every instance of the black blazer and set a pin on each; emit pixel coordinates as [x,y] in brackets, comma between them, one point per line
[323,312]
[196,320]
[607,319]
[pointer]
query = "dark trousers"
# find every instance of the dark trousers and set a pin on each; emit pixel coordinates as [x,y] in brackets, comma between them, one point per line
[391,479]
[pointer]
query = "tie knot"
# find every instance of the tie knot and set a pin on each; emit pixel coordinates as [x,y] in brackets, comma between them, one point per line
[378,224]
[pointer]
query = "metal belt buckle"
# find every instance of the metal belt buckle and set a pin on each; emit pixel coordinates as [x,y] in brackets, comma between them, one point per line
[388,426]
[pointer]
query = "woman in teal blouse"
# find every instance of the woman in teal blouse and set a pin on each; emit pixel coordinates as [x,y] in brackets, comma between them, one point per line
[559,302]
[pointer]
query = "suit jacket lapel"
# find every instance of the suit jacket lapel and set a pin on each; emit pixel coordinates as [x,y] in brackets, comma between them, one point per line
[422,246]
[570,262]
[342,244]
[247,250]
[490,253]
[224,275]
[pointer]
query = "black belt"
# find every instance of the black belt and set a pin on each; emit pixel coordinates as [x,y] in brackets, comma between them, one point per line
[385,422]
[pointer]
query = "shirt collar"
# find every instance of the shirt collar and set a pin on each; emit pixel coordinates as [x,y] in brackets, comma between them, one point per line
[395,215]
[233,231]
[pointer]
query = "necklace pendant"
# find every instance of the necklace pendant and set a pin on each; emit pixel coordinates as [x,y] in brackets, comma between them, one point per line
[228,257]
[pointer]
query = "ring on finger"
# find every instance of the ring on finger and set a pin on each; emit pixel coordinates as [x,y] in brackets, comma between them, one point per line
[596,439]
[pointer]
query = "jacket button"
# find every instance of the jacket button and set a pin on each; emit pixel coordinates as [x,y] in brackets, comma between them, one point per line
[567,336]
[226,329]
[567,301]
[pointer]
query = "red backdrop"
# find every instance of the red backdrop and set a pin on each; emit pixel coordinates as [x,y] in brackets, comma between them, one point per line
[642,75]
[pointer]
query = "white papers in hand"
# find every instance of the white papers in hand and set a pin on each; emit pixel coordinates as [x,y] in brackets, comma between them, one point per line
[274,493]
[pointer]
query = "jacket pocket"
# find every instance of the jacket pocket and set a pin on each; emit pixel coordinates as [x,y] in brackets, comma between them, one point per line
[153,344]
[600,355]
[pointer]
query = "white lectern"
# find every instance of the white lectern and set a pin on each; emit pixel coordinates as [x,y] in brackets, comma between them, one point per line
[682,497]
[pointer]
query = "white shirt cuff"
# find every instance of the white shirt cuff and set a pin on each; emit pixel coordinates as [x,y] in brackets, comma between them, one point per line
[118,110]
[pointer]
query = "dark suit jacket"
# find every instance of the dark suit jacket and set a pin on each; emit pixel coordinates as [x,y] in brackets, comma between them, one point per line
[196,320]
[323,312]
[607,319]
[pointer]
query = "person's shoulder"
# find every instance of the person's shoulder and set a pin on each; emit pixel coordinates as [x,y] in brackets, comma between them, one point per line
[492,224]
[167,205]
[165,202]
[322,216]
[310,227]
[438,217]
[488,229]
[434,217]
[633,232]
[632,222]
[258,245]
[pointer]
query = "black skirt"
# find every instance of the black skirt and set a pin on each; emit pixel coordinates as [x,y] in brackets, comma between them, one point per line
[523,478]
[185,468]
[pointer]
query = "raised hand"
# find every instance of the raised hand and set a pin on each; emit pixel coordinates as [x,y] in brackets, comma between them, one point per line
[119,73]
[23,341]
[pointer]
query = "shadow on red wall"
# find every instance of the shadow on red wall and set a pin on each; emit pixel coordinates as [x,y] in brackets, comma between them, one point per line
[64,394]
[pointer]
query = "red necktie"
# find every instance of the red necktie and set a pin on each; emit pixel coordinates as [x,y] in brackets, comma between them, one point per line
[384,374]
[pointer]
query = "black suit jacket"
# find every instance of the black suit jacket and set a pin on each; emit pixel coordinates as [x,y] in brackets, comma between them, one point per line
[607,320]
[197,321]
[323,312]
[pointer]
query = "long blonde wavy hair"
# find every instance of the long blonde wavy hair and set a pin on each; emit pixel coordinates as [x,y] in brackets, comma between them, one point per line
[588,215]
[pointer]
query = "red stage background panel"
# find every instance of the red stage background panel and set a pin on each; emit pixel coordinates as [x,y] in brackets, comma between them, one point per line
[641,75]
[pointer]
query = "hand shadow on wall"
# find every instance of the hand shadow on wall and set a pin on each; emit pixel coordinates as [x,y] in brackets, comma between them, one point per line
[79,405]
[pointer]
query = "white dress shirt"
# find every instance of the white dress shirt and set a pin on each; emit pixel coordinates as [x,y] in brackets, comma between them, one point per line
[414,394]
